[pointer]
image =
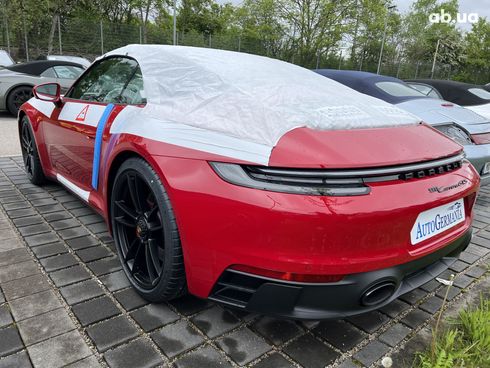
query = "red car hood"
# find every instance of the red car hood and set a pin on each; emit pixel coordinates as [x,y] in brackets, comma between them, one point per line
[305,147]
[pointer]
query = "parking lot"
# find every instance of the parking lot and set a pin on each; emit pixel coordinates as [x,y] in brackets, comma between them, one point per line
[65,301]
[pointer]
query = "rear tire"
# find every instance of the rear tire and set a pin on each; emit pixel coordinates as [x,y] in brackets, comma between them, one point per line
[17,97]
[30,155]
[145,232]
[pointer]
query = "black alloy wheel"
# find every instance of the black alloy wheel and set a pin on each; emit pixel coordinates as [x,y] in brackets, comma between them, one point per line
[32,163]
[145,232]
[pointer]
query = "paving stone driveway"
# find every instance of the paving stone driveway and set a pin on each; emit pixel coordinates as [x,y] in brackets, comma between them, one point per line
[64,300]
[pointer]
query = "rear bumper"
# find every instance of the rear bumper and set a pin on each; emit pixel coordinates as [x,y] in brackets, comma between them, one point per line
[355,294]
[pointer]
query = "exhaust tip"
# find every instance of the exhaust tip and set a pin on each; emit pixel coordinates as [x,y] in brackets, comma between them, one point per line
[378,293]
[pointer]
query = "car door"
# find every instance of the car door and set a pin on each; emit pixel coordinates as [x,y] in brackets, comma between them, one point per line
[70,132]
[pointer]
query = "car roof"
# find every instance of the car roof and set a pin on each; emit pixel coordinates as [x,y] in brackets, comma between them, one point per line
[365,82]
[39,66]
[454,91]
[249,96]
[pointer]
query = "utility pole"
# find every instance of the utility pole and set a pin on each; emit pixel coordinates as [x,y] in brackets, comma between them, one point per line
[435,58]
[384,37]
[101,38]
[175,22]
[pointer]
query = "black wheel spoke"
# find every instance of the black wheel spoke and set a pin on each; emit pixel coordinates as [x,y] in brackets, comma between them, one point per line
[154,226]
[133,250]
[128,211]
[153,247]
[150,267]
[125,222]
[134,192]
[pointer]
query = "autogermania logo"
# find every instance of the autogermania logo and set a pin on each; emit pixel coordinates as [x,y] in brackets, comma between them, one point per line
[440,222]
[445,17]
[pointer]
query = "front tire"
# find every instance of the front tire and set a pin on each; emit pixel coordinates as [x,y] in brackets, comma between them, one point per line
[145,232]
[30,155]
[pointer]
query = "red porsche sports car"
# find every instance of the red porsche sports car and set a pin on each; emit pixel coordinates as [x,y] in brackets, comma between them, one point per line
[251,181]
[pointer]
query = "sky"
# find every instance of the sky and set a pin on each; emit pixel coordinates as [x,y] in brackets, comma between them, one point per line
[481,7]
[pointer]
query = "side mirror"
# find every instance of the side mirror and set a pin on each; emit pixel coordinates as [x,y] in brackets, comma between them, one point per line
[48,92]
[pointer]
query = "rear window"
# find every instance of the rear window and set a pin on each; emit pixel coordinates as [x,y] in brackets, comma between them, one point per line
[398,89]
[480,92]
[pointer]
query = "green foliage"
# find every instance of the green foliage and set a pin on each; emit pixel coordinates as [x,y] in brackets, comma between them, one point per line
[465,344]
[324,33]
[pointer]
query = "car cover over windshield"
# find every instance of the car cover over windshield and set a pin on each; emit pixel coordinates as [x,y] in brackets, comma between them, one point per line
[250,97]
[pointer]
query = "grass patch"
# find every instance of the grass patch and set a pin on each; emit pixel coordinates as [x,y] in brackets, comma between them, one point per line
[464,343]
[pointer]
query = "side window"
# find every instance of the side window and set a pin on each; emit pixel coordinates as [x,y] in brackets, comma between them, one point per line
[49,73]
[105,81]
[67,71]
[434,94]
[133,93]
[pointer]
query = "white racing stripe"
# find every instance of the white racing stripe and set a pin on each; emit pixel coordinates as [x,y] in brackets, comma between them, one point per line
[75,189]
[82,113]
[44,107]
[132,120]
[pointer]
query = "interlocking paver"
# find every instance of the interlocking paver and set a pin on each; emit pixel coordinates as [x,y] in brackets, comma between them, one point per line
[93,253]
[154,316]
[277,331]
[56,216]
[64,224]
[33,305]
[104,266]
[44,326]
[310,352]
[82,242]
[69,275]
[40,239]
[5,317]
[59,351]
[177,338]
[34,229]
[58,262]
[215,321]
[17,360]
[26,221]
[95,310]
[340,334]
[370,321]
[137,354]
[115,281]
[82,291]
[10,341]
[415,318]
[130,299]
[49,250]
[243,346]
[75,232]
[18,271]
[112,332]
[14,256]
[89,362]
[394,334]
[204,357]
[371,352]
[274,360]
[25,286]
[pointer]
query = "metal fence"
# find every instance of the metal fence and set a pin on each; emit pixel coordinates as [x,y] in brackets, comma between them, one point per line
[92,38]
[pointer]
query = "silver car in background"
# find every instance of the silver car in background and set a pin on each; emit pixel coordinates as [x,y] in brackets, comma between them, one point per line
[16,81]
[466,127]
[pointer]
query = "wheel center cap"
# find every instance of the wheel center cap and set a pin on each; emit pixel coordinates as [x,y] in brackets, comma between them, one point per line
[141,228]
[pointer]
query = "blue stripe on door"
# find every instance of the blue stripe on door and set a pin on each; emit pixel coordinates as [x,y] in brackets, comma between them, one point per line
[98,144]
